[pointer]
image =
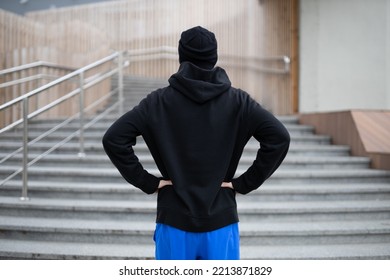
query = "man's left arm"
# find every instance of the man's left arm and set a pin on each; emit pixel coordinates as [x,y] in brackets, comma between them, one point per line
[274,144]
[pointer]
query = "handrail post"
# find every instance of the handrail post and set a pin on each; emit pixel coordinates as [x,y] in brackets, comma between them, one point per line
[120,82]
[81,153]
[287,62]
[24,196]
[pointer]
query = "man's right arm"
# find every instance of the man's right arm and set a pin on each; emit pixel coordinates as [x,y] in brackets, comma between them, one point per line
[118,143]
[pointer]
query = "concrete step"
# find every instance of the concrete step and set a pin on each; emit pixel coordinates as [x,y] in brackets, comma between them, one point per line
[321,203]
[298,162]
[27,249]
[113,115]
[267,192]
[30,249]
[102,126]
[271,233]
[291,162]
[110,175]
[362,251]
[97,136]
[285,119]
[141,82]
[141,149]
[145,211]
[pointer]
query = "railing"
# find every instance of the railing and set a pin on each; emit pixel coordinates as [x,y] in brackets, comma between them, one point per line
[272,65]
[100,70]
[268,65]
[27,68]
[18,80]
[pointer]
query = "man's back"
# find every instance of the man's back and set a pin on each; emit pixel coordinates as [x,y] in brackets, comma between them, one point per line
[196,130]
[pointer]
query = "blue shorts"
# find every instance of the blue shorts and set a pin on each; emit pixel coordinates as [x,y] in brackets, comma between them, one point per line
[176,244]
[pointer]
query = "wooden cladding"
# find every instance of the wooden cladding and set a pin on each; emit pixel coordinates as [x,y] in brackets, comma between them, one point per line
[280,25]
[246,31]
[366,132]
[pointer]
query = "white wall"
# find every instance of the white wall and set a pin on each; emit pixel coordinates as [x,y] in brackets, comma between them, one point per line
[344,55]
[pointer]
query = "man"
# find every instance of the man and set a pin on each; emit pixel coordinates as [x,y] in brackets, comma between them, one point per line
[196,130]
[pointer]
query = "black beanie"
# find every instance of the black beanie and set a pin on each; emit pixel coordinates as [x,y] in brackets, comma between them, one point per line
[198,46]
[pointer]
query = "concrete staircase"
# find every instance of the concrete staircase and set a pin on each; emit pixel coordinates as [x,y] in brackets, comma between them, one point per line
[321,204]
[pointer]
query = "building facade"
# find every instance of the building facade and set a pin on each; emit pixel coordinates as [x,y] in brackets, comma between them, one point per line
[344,55]
[339,49]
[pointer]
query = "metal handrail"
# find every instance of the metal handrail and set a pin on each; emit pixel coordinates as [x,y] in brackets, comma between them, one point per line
[34,65]
[57,81]
[28,79]
[12,72]
[252,62]
[256,63]
[84,83]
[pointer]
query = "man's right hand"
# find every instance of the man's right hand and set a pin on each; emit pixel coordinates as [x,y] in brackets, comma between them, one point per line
[227,185]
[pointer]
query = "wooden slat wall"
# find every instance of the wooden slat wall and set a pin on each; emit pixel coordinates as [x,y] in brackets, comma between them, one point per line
[244,29]
[151,23]
[374,130]
[16,35]
[24,40]
[280,27]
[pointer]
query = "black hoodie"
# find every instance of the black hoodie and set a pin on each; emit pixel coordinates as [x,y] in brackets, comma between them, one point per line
[196,130]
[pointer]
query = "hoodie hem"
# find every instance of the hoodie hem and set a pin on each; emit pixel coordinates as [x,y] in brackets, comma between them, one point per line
[185,222]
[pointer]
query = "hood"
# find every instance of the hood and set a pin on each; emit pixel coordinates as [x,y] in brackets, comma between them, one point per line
[199,85]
